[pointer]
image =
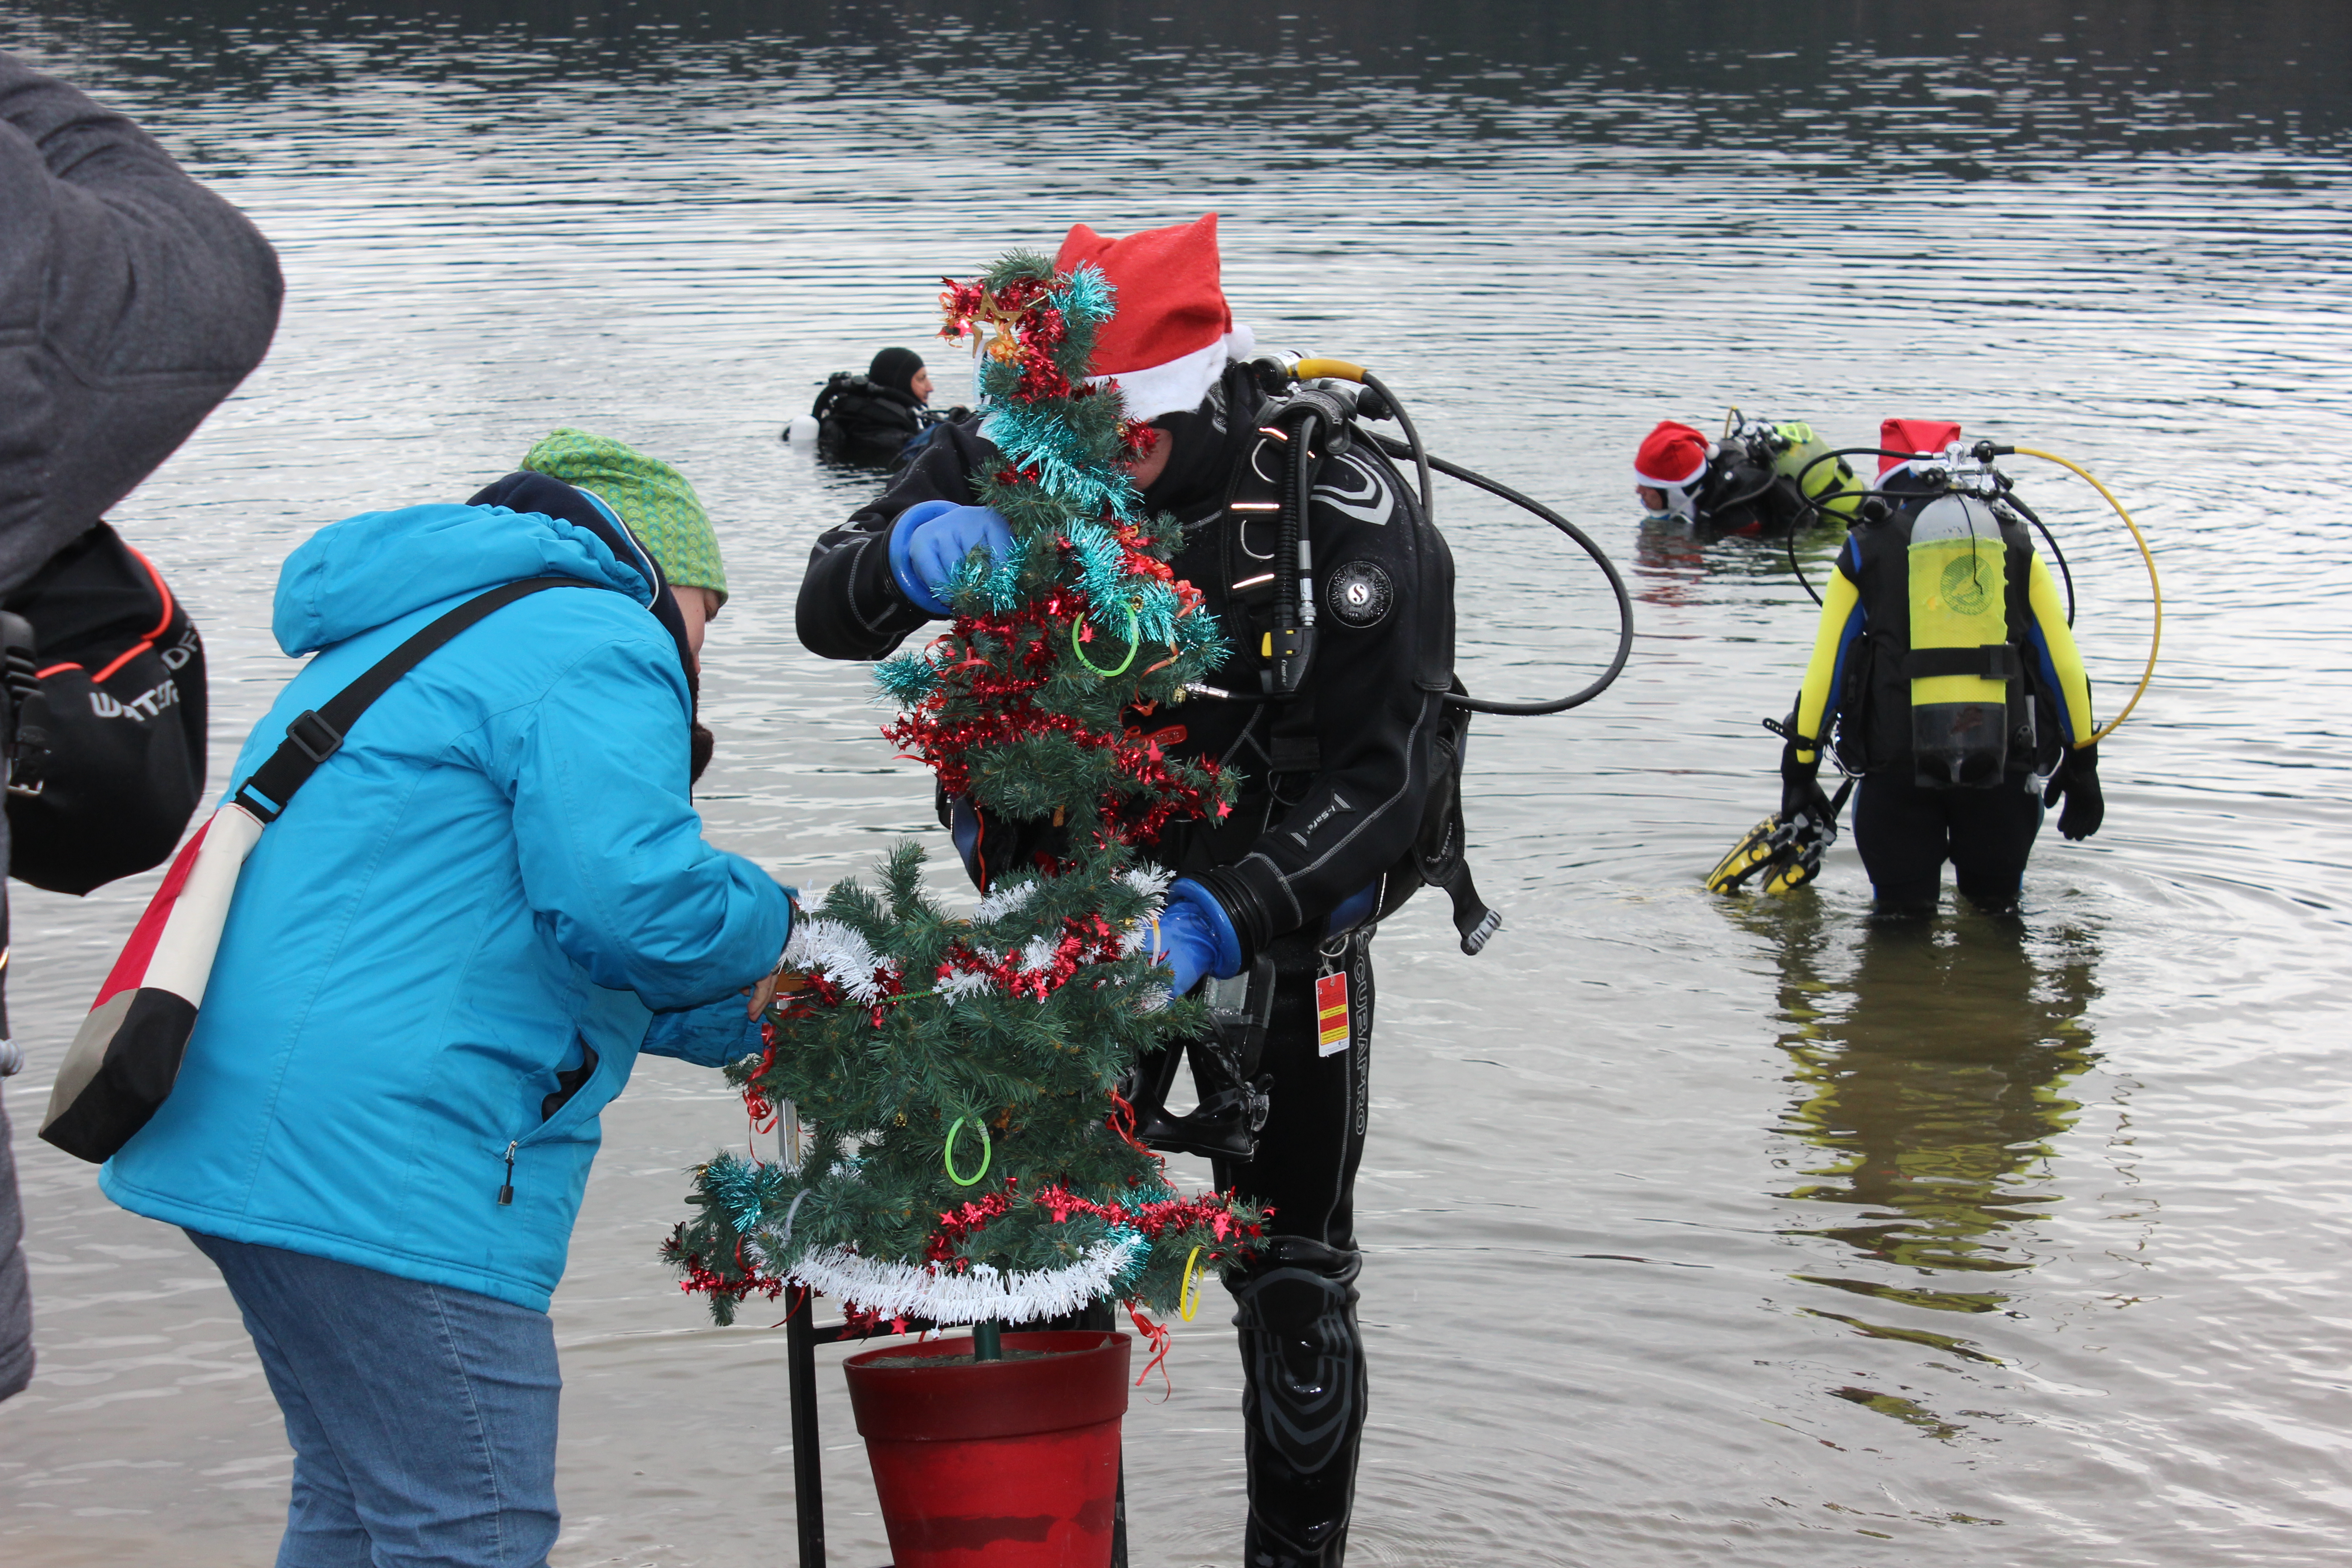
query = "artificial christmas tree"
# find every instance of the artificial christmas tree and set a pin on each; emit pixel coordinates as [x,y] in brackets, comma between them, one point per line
[969,1157]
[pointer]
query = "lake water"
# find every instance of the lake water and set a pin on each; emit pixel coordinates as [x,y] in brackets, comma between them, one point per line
[1700,1231]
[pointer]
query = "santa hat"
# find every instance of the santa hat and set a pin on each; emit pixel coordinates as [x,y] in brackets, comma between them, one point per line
[1671,457]
[1922,437]
[1172,333]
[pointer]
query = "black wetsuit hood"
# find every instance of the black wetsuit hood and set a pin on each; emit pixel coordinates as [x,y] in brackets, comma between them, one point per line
[1209,444]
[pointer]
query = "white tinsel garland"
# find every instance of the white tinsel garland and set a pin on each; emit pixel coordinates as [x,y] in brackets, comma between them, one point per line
[837,951]
[981,1294]
[1008,897]
[820,946]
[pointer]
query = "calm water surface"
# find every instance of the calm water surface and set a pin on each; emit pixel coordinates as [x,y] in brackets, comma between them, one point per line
[1700,1231]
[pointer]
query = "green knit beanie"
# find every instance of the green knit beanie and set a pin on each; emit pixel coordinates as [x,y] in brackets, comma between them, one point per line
[653,499]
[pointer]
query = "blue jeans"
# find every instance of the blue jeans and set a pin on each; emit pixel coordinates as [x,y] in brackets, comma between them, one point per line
[423,1417]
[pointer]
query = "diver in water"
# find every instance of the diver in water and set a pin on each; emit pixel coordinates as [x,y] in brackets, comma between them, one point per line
[1339,777]
[1945,661]
[875,418]
[1759,480]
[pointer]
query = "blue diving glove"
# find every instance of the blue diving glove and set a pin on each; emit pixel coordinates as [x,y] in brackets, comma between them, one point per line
[930,540]
[1193,937]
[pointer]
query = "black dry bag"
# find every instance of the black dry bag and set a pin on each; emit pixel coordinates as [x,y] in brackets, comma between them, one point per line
[111,750]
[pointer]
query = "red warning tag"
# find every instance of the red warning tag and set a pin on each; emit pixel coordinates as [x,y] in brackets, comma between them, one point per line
[1330,1014]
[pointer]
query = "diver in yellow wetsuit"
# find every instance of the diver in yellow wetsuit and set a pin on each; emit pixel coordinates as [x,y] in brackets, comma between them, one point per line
[1945,664]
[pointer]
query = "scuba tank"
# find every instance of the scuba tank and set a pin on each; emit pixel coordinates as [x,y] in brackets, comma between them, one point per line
[1961,664]
[1830,489]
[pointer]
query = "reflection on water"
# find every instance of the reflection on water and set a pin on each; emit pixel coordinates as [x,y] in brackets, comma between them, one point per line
[1675,563]
[1930,1061]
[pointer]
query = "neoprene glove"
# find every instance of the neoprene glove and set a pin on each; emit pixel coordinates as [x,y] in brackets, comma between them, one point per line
[1801,788]
[1193,937]
[2078,783]
[932,537]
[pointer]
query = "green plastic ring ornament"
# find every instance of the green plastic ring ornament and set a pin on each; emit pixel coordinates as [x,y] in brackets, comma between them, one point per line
[947,1155]
[1134,641]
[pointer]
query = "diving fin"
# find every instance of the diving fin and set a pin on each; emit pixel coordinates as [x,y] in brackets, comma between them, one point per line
[1748,856]
[1786,847]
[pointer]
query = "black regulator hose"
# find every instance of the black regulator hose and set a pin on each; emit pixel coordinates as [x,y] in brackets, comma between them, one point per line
[2064,572]
[1608,569]
[1279,373]
[1420,453]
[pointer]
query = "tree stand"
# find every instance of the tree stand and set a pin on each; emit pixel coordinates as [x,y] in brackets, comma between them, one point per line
[803,1335]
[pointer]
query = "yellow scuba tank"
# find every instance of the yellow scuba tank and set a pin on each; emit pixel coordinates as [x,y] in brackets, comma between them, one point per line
[1960,662]
[1832,487]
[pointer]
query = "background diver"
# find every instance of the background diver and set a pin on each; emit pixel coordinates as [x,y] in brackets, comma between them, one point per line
[1747,483]
[1339,778]
[1945,664]
[877,419]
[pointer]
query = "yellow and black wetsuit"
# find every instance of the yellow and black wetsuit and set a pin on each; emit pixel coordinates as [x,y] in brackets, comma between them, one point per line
[1862,680]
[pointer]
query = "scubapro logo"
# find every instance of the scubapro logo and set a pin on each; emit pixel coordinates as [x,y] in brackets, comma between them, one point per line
[148,705]
[1359,593]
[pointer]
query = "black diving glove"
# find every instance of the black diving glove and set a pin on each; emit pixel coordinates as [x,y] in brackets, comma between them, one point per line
[2078,783]
[1801,788]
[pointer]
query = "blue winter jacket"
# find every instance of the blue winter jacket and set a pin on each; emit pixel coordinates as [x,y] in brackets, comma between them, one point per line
[443,960]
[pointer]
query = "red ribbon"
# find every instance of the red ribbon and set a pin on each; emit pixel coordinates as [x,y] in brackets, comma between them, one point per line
[1163,1340]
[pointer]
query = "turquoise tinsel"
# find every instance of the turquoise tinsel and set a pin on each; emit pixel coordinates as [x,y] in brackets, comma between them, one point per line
[1139,1260]
[741,1190]
[1112,589]
[1102,572]
[907,679]
[1088,298]
[995,579]
[1043,437]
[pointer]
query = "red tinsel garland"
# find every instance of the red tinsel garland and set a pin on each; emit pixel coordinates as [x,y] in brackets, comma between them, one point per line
[1153,1219]
[702,1279]
[1087,939]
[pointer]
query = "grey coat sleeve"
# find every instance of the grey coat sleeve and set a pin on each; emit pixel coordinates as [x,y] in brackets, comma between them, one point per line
[132,300]
[16,1297]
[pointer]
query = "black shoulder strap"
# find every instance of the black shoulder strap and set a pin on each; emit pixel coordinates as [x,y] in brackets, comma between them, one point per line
[316,733]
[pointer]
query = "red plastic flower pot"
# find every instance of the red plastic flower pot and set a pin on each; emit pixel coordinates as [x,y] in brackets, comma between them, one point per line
[995,1464]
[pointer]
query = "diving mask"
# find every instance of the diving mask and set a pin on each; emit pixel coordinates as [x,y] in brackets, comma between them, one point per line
[1678,503]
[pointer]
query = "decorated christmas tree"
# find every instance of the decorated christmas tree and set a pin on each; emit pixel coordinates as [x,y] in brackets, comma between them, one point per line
[967,1155]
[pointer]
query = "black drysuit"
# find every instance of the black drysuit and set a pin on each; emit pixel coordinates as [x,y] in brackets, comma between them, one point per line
[1335,785]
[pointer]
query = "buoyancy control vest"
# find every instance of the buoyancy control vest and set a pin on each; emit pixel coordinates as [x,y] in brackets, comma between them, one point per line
[1942,680]
[1764,480]
[861,421]
[1436,857]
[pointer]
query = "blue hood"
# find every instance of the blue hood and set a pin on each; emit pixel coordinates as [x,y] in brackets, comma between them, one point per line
[367,570]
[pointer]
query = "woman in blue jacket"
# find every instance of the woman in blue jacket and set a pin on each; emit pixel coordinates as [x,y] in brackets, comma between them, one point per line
[441,965]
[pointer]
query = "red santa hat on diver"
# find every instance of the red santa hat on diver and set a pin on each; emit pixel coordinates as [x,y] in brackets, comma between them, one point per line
[1925,438]
[1172,334]
[1671,457]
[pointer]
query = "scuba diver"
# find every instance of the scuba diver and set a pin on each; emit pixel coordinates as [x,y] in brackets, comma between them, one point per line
[874,420]
[1746,484]
[1346,756]
[1945,660]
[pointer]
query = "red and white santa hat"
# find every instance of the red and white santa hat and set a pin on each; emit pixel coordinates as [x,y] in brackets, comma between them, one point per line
[1172,334]
[1671,457]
